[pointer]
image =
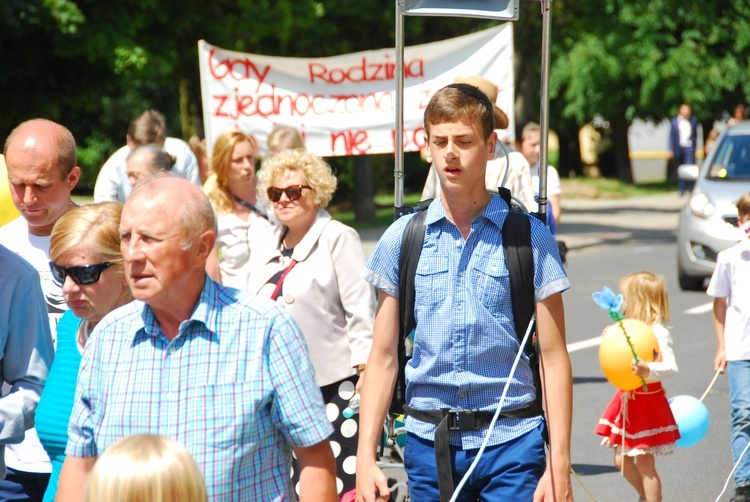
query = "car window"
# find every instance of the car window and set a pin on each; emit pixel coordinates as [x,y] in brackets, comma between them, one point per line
[732,160]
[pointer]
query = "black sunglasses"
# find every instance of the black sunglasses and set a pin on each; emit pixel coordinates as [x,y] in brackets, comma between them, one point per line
[85,274]
[293,192]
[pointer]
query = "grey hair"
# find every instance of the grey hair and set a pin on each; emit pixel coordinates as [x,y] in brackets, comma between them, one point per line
[195,216]
[156,158]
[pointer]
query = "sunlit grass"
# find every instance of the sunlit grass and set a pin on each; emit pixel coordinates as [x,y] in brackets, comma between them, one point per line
[384,212]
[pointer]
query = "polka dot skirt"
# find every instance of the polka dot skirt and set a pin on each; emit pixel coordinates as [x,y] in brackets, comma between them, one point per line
[345,435]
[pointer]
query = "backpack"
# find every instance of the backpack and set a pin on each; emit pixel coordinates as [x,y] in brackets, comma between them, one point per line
[518,256]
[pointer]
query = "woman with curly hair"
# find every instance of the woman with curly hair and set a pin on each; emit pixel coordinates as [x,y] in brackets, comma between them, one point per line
[311,267]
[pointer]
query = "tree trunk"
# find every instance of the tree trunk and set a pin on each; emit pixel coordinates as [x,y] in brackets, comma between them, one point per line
[364,189]
[570,157]
[186,127]
[527,91]
[621,149]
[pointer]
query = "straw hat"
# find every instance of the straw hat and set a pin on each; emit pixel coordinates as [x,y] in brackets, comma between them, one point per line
[490,89]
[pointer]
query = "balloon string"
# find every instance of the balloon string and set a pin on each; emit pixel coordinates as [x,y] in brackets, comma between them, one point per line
[624,414]
[580,482]
[618,319]
[716,375]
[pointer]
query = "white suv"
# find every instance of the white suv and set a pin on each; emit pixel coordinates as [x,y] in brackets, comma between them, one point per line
[708,222]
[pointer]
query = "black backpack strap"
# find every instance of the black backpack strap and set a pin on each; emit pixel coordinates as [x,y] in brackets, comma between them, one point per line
[411,249]
[520,262]
[505,194]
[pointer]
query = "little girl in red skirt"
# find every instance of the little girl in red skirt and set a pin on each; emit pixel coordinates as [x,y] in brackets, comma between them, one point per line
[639,424]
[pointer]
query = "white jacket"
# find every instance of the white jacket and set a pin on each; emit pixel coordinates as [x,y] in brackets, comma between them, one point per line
[324,293]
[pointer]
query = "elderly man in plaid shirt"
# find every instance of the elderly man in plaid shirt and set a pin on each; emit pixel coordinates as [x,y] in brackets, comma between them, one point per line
[224,373]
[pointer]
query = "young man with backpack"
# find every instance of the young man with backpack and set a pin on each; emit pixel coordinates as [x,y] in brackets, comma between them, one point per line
[465,339]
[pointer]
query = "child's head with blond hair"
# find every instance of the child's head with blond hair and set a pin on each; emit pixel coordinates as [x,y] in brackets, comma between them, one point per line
[645,297]
[145,468]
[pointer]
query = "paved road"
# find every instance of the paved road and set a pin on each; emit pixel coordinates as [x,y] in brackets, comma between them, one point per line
[591,222]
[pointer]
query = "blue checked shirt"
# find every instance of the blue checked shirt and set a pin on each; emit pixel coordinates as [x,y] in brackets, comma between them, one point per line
[465,341]
[235,387]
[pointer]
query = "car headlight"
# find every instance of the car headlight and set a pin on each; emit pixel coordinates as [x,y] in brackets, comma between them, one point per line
[701,205]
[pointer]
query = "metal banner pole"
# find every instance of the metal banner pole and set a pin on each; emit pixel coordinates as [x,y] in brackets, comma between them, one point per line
[544,106]
[398,172]
[486,9]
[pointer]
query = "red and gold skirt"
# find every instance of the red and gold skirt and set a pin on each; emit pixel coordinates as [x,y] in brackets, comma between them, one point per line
[638,422]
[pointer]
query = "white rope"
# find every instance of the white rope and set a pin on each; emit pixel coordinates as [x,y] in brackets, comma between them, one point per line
[497,413]
[732,472]
[716,375]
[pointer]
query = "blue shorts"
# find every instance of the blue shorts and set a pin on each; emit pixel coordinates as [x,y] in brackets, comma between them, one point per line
[508,471]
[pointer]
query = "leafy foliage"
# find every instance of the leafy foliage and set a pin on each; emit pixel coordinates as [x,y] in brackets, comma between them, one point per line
[643,58]
[94,65]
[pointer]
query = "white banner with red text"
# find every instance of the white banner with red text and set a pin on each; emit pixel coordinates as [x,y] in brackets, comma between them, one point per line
[345,105]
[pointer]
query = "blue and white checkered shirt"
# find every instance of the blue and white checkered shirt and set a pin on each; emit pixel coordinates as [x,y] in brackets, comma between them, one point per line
[235,387]
[465,340]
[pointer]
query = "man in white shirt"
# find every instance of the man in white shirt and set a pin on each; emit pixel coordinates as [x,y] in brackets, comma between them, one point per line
[730,289]
[149,128]
[41,161]
[528,143]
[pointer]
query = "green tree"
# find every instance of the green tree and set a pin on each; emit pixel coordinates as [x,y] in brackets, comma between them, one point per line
[642,58]
[94,65]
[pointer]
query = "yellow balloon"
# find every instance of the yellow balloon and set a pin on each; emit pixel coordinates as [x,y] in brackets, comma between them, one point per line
[8,211]
[615,356]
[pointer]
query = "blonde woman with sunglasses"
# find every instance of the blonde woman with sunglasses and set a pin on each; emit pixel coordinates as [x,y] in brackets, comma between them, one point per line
[312,269]
[87,263]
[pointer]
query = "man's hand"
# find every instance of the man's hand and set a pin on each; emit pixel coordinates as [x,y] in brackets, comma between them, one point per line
[371,482]
[555,483]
